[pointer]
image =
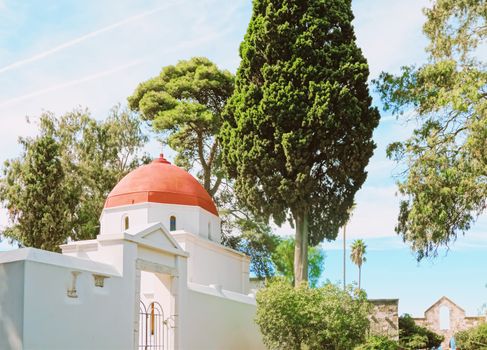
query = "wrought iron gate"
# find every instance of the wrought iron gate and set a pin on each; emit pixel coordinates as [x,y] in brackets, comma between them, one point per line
[153,329]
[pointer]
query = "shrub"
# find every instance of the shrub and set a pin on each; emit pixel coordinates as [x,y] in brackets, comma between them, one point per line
[412,336]
[472,339]
[378,343]
[325,318]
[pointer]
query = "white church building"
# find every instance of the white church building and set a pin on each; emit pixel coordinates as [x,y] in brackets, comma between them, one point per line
[156,277]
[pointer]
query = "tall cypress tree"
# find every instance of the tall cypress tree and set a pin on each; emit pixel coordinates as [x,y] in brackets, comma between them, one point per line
[298,128]
[34,192]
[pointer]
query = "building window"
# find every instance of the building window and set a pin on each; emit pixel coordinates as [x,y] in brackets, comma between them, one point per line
[444,318]
[125,222]
[172,223]
[209,230]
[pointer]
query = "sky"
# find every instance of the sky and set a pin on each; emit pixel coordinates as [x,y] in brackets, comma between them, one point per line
[57,55]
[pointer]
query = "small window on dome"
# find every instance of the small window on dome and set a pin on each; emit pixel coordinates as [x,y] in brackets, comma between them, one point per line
[209,230]
[126,223]
[172,223]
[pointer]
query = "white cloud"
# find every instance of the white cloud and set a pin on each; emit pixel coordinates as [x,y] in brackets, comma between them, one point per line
[80,39]
[68,84]
[390,33]
[374,216]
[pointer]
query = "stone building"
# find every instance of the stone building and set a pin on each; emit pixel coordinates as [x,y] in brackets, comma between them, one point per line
[384,319]
[447,318]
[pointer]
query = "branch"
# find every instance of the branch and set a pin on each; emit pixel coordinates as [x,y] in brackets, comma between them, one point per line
[216,185]
[213,151]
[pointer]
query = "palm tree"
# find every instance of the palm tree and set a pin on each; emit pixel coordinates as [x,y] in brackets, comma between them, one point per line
[350,210]
[358,256]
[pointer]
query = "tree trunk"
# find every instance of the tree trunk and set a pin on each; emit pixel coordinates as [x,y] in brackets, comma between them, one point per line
[301,249]
[344,255]
[359,275]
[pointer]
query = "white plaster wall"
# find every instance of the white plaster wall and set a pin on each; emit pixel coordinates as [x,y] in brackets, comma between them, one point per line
[111,252]
[100,318]
[156,257]
[209,267]
[111,218]
[218,322]
[212,263]
[11,305]
[189,218]
[214,222]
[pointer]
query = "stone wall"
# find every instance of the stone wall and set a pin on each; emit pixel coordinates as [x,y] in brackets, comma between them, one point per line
[384,319]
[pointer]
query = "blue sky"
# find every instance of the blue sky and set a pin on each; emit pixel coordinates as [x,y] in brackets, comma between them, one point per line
[58,55]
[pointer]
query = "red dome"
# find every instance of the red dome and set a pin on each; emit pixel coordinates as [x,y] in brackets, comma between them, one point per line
[160,182]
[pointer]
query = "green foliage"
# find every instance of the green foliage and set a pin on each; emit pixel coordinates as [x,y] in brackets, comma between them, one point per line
[412,336]
[444,161]
[357,255]
[257,241]
[184,103]
[472,339]
[283,260]
[297,131]
[326,318]
[378,343]
[57,188]
[35,191]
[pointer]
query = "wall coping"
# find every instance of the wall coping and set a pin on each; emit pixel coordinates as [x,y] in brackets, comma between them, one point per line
[57,259]
[217,291]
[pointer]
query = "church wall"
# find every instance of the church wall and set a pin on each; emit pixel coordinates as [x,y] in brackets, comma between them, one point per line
[11,305]
[212,263]
[92,318]
[220,322]
[188,218]
[211,222]
[211,267]
[185,216]
[157,257]
[111,219]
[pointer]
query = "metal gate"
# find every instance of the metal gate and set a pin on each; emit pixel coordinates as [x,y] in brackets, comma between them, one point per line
[153,330]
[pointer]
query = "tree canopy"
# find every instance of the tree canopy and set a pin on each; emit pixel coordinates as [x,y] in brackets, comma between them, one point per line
[185,103]
[444,161]
[56,189]
[472,339]
[375,342]
[297,130]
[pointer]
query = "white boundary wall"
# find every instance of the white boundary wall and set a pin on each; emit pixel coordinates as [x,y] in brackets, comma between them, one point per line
[220,320]
[38,314]
[11,304]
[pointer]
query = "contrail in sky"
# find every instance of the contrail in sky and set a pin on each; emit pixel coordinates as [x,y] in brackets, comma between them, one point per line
[71,83]
[80,39]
